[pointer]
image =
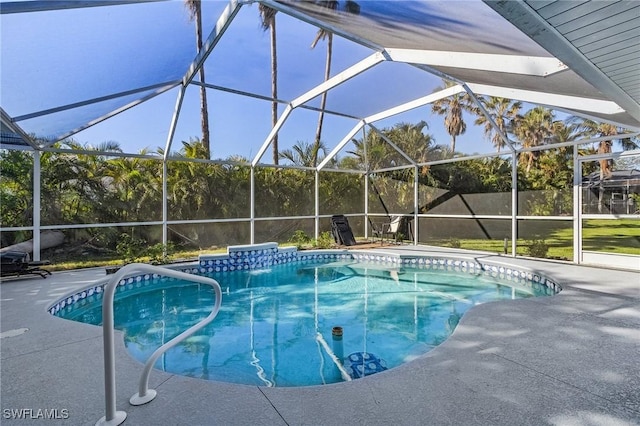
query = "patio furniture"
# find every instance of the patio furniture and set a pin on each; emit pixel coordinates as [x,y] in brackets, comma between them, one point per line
[17,263]
[341,231]
[390,228]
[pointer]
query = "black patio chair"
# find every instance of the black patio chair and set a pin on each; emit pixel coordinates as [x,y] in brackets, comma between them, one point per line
[341,231]
[17,263]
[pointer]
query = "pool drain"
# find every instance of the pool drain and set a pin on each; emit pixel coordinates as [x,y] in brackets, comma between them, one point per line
[360,364]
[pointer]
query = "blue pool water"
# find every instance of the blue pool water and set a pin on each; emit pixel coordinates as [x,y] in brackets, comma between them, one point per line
[275,325]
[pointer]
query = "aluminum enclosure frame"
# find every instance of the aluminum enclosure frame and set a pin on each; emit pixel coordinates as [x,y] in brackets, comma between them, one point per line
[539,66]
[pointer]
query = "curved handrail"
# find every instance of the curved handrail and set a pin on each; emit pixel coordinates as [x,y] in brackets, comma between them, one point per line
[113,417]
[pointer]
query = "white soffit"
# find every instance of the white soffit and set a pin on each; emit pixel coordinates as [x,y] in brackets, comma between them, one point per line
[598,40]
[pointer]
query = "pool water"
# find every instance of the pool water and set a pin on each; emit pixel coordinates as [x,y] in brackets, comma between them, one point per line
[275,325]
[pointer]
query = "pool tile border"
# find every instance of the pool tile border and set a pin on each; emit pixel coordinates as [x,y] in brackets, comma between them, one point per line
[258,256]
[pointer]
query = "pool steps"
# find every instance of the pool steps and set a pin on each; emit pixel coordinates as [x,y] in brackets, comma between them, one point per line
[113,417]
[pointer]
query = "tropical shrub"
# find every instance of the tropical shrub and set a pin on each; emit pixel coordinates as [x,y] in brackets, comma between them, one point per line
[537,248]
[300,239]
[324,241]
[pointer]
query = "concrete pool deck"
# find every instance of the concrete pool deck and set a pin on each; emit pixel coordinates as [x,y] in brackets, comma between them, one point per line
[569,359]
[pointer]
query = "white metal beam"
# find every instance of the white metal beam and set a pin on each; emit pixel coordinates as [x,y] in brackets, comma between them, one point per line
[513,64]
[270,99]
[174,121]
[42,6]
[10,124]
[338,79]
[160,88]
[334,81]
[489,118]
[113,113]
[227,15]
[272,133]
[393,145]
[416,103]
[342,144]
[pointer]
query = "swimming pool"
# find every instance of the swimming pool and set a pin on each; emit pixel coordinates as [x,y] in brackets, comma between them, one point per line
[275,325]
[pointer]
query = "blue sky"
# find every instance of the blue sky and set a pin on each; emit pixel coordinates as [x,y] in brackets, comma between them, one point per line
[99,44]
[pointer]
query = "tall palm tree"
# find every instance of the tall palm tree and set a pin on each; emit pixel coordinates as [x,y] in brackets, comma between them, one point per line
[452,108]
[195,14]
[322,34]
[503,111]
[534,128]
[268,21]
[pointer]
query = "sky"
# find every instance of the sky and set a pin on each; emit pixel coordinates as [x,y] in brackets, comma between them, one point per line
[112,49]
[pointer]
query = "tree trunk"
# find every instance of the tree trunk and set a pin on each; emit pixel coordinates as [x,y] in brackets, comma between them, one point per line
[204,113]
[274,88]
[323,99]
[48,239]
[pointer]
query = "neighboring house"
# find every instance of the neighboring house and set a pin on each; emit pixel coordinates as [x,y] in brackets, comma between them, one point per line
[618,193]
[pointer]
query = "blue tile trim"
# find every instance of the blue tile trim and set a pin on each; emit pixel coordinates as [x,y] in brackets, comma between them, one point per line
[269,254]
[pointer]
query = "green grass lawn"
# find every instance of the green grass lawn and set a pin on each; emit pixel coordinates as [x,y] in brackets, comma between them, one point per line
[612,236]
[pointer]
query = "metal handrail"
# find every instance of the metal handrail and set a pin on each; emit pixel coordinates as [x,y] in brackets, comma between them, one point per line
[144,395]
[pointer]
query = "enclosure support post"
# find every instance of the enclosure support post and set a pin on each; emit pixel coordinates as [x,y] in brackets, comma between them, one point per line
[253,205]
[416,204]
[37,185]
[366,205]
[316,230]
[577,207]
[164,205]
[514,203]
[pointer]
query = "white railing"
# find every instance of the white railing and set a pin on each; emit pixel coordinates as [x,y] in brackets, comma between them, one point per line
[144,395]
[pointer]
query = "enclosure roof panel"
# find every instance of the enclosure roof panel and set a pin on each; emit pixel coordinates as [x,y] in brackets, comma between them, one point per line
[68,65]
[497,30]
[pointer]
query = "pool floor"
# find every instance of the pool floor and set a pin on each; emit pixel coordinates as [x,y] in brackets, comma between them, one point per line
[275,325]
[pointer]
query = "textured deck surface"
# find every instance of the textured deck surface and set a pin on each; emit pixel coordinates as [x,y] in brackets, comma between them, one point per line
[569,359]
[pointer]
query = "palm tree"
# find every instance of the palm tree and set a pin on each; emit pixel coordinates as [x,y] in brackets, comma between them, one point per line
[378,153]
[503,111]
[591,129]
[452,108]
[412,140]
[322,34]
[268,21]
[305,154]
[195,189]
[137,187]
[534,128]
[195,14]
